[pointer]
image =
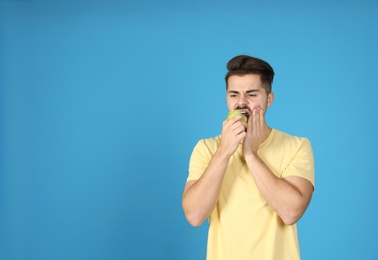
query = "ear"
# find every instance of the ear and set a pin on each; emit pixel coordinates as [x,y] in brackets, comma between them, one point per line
[270,99]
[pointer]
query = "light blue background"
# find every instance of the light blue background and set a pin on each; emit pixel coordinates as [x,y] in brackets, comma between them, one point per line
[102,103]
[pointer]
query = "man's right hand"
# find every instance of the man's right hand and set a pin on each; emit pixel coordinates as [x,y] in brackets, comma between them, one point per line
[233,133]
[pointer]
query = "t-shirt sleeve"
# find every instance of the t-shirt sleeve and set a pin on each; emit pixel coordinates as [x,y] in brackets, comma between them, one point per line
[199,160]
[302,164]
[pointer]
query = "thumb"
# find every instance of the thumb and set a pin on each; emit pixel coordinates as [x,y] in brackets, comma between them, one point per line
[249,123]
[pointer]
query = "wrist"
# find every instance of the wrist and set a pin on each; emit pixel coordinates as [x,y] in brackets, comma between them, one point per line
[223,153]
[251,156]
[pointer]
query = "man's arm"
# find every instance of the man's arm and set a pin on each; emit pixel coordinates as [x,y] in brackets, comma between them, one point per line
[200,196]
[289,197]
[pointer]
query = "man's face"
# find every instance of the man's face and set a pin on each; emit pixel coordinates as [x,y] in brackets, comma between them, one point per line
[246,93]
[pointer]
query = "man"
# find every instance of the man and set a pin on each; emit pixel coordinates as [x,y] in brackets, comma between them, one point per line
[253,182]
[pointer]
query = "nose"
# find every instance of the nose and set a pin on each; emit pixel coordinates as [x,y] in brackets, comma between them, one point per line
[242,101]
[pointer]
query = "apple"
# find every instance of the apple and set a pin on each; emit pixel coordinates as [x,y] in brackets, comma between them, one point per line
[234,113]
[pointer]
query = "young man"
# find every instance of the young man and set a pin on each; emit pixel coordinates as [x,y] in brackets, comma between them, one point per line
[252,182]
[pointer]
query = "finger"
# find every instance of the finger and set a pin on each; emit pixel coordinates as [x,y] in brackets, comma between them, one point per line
[245,125]
[236,121]
[262,116]
[240,129]
[250,119]
[249,123]
[255,116]
[228,123]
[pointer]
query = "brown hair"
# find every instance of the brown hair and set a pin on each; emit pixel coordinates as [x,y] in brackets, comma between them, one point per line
[243,65]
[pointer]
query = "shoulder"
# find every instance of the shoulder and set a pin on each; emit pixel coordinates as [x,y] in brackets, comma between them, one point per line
[209,144]
[290,140]
[204,150]
[288,137]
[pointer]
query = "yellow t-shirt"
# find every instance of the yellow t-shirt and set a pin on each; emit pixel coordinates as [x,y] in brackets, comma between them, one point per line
[243,226]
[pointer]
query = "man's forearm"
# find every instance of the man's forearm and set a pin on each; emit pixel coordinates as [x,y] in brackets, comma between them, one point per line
[288,200]
[200,197]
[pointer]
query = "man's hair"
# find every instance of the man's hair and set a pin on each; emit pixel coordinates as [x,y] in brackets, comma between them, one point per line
[243,65]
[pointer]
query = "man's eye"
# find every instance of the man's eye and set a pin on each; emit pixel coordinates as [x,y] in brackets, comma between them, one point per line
[232,95]
[252,95]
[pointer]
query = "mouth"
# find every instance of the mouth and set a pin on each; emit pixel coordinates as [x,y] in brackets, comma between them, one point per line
[245,113]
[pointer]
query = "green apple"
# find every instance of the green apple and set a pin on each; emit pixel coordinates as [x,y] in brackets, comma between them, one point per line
[234,113]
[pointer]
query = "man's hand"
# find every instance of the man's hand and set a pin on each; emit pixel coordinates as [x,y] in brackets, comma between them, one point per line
[288,197]
[200,196]
[233,132]
[257,132]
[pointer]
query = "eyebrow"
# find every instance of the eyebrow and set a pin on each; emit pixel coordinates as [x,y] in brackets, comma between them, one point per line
[248,91]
